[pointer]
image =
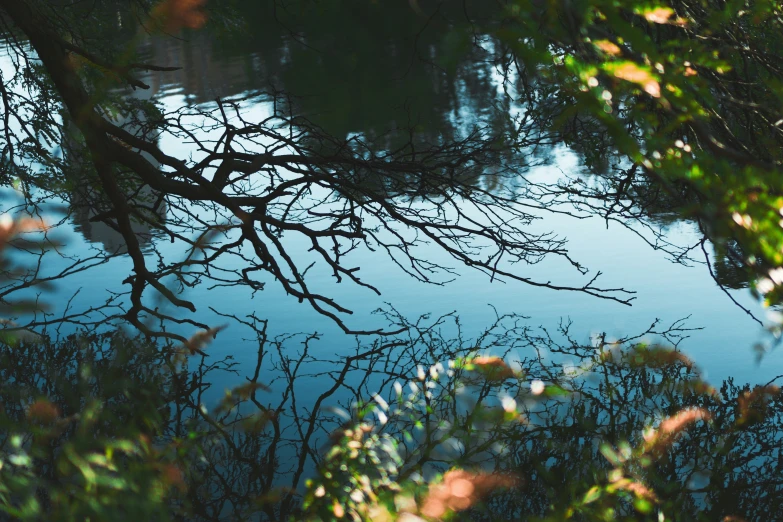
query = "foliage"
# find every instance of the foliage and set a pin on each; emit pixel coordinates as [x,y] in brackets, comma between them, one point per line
[78,421]
[629,432]
[110,427]
[689,94]
[684,97]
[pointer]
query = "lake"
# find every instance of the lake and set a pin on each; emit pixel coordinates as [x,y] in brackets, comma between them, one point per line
[353,84]
[376,75]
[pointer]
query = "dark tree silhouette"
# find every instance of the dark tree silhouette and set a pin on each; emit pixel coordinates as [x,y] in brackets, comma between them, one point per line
[247,188]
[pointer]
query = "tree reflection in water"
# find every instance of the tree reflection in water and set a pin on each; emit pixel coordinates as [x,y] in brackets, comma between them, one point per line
[248,187]
[249,456]
[109,416]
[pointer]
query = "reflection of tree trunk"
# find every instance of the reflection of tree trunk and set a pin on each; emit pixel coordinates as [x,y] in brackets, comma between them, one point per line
[86,218]
[201,77]
[88,201]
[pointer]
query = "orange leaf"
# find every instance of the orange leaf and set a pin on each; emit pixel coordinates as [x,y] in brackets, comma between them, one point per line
[671,428]
[608,47]
[460,489]
[176,14]
[631,72]
[659,15]
[43,411]
[493,367]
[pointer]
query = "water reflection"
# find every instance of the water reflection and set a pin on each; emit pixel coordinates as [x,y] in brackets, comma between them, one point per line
[202,76]
[420,100]
[90,209]
[396,77]
[350,68]
[260,443]
[427,82]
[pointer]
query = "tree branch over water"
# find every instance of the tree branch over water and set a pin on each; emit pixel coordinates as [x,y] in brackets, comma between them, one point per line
[255,185]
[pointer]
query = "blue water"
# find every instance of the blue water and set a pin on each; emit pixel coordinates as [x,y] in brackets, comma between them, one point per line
[722,347]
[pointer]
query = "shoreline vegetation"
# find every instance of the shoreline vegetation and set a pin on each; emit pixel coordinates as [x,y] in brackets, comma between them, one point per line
[674,109]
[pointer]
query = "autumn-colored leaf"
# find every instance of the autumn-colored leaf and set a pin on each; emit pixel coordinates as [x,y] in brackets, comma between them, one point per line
[43,411]
[752,405]
[634,73]
[338,510]
[493,368]
[173,476]
[608,47]
[10,227]
[671,428]
[639,490]
[659,15]
[200,339]
[173,15]
[460,489]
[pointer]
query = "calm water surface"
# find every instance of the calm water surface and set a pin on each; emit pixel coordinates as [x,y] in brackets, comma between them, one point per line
[364,85]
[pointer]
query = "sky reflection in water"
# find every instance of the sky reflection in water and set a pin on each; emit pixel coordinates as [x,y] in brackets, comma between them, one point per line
[664,290]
